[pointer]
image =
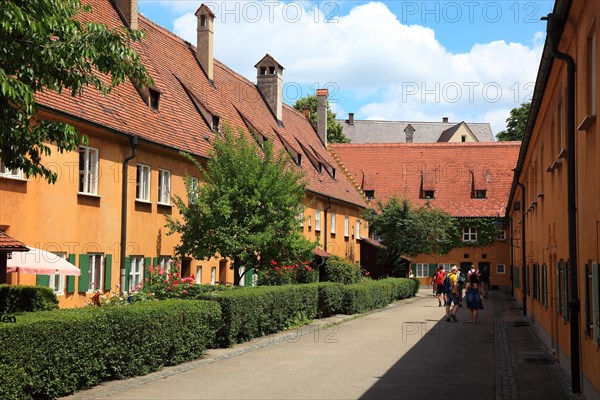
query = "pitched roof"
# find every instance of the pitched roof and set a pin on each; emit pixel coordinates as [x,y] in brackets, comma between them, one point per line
[371,131]
[448,133]
[184,92]
[9,244]
[452,170]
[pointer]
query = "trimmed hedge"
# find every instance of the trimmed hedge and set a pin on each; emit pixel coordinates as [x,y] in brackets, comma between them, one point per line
[59,352]
[363,297]
[257,311]
[337,269]
[16,299]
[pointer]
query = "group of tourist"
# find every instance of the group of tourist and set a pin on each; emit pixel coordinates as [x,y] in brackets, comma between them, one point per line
[449,287]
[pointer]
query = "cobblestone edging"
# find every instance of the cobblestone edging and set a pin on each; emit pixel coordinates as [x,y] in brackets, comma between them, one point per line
[505,379]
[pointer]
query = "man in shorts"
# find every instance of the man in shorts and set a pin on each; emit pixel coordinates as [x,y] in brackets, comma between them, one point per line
[452,296]
[437,282]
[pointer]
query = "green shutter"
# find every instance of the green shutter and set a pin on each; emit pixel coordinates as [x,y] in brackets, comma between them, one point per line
[127,269]
[147,264]
[42,280]
[248,277]
[432,269]
[596,301]
[84,278]
[70,286]
[108,272]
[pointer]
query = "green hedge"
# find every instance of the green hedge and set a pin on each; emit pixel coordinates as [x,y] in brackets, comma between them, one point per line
[331,299]
[16,299]
[363,297]
[337,269]
[59,352]
[257,311]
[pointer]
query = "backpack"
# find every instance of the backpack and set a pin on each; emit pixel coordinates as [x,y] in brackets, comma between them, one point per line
[461,280]
[446,284]
[439,277]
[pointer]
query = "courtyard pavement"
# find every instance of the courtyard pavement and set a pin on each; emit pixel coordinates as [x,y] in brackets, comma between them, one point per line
[405,351]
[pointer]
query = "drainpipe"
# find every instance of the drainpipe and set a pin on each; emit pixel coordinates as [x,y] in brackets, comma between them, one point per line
[512,259]
[523,252]
[133,142]
[326,232]
[554,29]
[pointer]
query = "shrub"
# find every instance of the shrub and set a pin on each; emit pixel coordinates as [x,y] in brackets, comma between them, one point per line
[285,274]
[331,298]
[15,299]
[257,311]
[339,270]
[61,351]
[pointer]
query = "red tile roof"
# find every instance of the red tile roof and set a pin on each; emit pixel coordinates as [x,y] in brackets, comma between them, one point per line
[183,88]
[450,169]
[8,244]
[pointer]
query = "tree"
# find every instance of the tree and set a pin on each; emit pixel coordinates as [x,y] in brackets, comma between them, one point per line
[515,124]
[409,231]
[44,47]
[247,208]
[334,129]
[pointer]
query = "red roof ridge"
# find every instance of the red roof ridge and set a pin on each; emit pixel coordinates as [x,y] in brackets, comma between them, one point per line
[162,29]
[435,145]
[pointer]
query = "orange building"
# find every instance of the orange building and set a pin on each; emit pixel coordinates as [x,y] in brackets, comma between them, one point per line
[125,175]
[554,206]
[470,181]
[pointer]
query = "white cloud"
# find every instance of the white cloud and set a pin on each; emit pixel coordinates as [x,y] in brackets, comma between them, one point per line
[370,53]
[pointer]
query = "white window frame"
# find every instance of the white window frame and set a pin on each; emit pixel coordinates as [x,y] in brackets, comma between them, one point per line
[357,229]
[15,173]
[142,182]
[241,271]
[346,226]
[213,275]
[501,234]
[422,270]
[333,223]
[301,219]
[136,271]
[447,267]
[164,187]
[56,281]
[165,262]
[469,234]
[199,274]
[93,264]
[88,172]
[500,268]
[317,220]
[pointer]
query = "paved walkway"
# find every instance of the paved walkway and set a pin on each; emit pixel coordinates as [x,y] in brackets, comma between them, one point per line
[406,351]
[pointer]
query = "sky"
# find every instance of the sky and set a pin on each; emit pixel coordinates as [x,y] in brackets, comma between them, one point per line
[386,60]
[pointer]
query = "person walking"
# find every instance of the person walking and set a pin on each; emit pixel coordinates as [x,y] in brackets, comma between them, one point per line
[451,289]
[437,282]
[474,303]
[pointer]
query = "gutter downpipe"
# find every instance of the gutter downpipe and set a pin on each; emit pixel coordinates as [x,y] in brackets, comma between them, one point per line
[133,142]
[325,232]
[554,29]
[524,287]
[512,257]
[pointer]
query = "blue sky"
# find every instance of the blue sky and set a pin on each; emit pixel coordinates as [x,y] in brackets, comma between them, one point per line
[391,60]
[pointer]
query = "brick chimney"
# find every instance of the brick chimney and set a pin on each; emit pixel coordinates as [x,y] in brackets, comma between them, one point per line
[322,95]
[129,11]
[204,39]
[351,119]
[269,79]
[445,120]
[410,131]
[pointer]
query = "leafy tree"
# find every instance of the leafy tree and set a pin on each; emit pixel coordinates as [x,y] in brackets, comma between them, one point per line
[515,124]
[44,47]
[334,129]
[409,231]
[246,209]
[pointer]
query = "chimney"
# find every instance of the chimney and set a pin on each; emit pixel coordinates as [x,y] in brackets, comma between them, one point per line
[129,12]
[269,79]
[204,39]
[445,120]
[306,112]
[409,130]
[322,114]
[351,119]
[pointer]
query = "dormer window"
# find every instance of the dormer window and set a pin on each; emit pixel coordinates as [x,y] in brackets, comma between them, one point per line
[261,140]
[481,194]
[320,168]
[429,194]
[299,159]
[153,99]
[215,124]
[333,173]
[463,138]
[370,194]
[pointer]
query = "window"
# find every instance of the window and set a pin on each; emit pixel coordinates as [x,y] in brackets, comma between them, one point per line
[429,194]
[299,159]
[346,226]
[422,270]
[213,275]
[88,170]
[215,124]
[301,219]
[142,188]
[165,263]
[502,234]
[446,267]
[135,272]
[193,190]
[199,275]
[14,173]
[164,187]
[469,234]
[153,99]
[463,138]
[333,223]
[480,194]
[545,285]
[95,272]
[56,281]
[370,194]
[317,220]
[309,222]
[500,269]
[591,73]
[358,229]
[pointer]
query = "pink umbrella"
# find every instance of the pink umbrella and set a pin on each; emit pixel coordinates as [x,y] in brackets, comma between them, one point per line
[36,261]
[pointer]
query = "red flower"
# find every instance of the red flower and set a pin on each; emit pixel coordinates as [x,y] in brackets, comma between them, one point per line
[308,268]
[184,291]
[273,262]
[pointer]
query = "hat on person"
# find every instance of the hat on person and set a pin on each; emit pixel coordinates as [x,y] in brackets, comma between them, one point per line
[454,268]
